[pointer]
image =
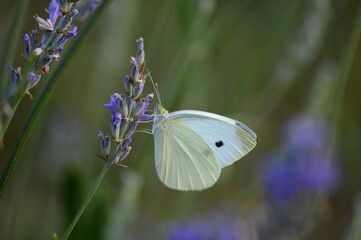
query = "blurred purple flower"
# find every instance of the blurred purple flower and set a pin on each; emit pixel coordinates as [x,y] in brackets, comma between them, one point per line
[307,132]
[307,165]
[211,228]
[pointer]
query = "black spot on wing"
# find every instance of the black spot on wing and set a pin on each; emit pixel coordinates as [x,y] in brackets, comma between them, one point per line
[219,144]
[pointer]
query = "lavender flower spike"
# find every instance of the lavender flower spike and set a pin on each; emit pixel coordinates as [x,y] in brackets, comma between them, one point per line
[40,54]
[127,110]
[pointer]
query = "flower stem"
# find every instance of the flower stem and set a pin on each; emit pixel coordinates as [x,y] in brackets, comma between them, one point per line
[7,121]
[86,202]
[12,41]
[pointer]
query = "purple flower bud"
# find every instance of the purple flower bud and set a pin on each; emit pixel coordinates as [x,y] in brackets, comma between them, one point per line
[72,33]
[105,145]
[121,155]
[46,60]
[140,57]
[33,38]
[100,134]
[66,21]
[138,109]
[27,42]
[115,126]
[127,143]
[15,75]
[32,79]
[59,49]
[130,129]
[149,97]
[127,84]
[44,39]
[133,61]
[61,39]
[65,6]
[138,88]
[123,108]
[54,11]
[140,43]
[135,74]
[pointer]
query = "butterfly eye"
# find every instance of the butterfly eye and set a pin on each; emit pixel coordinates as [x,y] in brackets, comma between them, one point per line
[219,144]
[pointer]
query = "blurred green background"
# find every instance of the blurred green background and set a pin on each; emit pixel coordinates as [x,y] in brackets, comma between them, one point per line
[260,62]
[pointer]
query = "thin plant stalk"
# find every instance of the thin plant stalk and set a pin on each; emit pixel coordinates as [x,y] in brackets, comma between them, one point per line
[9,54]
[86,202]
[46,92]
[20,15]
[14,106]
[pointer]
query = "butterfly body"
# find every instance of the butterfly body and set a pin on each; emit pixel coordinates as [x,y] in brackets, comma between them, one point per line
[191,147]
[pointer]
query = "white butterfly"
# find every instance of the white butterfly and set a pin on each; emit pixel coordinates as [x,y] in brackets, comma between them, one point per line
[191,147]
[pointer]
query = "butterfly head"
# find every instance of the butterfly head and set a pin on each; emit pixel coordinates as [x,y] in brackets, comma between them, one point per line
[160,110]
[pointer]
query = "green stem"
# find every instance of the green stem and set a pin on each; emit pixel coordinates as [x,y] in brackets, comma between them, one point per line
[86,202]
[12,41]
[46,92]
[8,119]
[345,67]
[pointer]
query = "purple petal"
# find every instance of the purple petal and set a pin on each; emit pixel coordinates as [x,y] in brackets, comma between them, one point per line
[72,33]
[113,105]
[26,39]
[54,11]
[142,115]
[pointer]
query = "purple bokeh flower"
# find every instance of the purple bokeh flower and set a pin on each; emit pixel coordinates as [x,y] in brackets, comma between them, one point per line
[210,228]
[307,164]
[307,133]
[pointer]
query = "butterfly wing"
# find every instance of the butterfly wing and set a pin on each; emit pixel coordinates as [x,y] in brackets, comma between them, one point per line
[228,139]
[184,161]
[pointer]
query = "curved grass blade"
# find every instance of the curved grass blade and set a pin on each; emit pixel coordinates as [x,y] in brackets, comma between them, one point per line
[46,92]
[345,67]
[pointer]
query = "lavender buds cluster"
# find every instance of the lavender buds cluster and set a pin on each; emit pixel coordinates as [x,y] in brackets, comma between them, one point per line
[126,111]
[56,30]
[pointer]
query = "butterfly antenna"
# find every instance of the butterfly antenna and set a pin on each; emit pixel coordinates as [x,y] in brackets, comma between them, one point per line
[156,89]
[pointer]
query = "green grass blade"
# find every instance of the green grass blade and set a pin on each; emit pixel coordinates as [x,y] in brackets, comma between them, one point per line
[345,67]
[46,92]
